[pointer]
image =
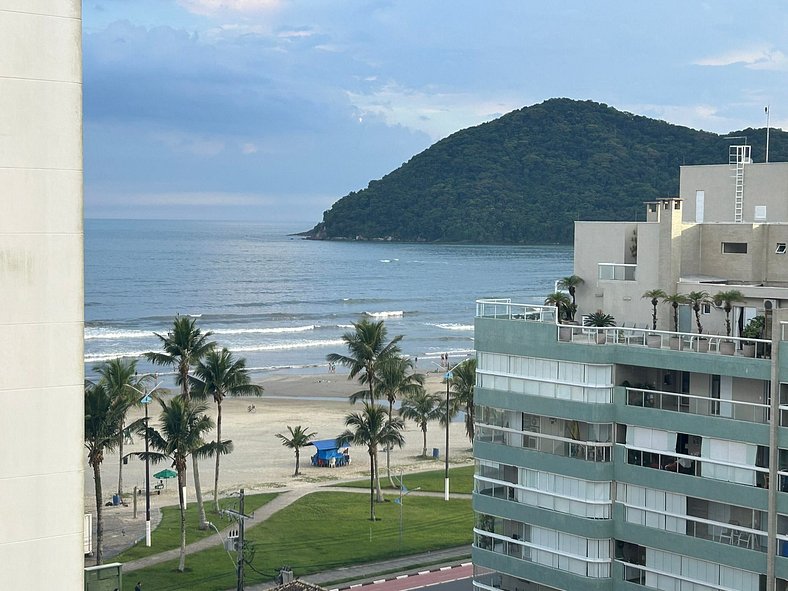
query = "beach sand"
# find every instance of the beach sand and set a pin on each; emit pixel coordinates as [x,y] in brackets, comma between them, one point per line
[260,462]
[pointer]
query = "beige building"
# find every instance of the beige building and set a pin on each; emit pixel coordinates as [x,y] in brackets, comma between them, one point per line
[41,300]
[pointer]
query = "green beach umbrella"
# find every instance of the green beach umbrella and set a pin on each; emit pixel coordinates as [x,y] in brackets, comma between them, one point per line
[166,473]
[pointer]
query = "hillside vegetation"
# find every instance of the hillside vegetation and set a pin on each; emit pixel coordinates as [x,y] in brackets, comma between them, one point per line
[525,177]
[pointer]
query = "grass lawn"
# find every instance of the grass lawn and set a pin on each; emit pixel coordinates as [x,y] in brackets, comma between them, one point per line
[321,531]
[168,533]
[460,480]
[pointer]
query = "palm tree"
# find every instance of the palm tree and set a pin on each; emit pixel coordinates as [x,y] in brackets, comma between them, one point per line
[726,299]
[563,305]
[462,385]
[367,349]
[422,407]
[299,437]
[219,375]
[103,426]
[183,425]
[654,295]
[697,299]
[372,428]
[570,283]
[394,377]
[119,377]
[675,300]
[183,347]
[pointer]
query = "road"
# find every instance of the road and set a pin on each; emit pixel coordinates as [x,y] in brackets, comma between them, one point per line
[455,579]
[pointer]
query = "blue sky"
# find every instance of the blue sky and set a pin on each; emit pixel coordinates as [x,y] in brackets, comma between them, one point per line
[272,110]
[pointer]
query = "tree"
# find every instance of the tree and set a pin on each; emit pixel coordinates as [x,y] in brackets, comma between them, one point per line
[394,377]
[372,428]
[696,299]
[299,437]
[726,299]
[675,300]
[183,426]
[562,304]
[570,284]
[421,407]
[462,386]
[220,375]
[367,349]
[104,418]
[183,347]
[654,295]
[119,377]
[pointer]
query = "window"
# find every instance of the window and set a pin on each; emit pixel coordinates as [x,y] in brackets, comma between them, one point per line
[734,248]
[780,248]
[760,213]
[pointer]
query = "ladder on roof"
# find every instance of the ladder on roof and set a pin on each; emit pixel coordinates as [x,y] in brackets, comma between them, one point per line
[738,156]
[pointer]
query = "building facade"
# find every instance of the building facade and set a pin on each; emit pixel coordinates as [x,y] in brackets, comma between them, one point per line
[41,298]
[631,457]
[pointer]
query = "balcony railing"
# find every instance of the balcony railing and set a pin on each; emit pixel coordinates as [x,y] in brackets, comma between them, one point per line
[753,412]
[590,451]
[616,272]
[506,310]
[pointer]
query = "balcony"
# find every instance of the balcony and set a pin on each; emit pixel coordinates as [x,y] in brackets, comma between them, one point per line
[616,272]
[740,410]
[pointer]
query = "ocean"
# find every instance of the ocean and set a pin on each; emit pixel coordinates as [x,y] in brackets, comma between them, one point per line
[282,302]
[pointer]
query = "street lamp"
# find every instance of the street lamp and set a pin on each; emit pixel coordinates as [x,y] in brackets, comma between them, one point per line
[403,492]
[145,401]
[447,376]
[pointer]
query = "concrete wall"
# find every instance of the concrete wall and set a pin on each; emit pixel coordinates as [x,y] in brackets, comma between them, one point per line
[41,302]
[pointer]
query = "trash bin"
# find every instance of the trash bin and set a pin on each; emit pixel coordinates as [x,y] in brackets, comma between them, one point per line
[436,453]
[116,500]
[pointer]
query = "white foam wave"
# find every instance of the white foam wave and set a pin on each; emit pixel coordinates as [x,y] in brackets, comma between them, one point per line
[452,326]
[276,330]
[290,345]
[386,314]
[98,357]
[92,333]
[345,326]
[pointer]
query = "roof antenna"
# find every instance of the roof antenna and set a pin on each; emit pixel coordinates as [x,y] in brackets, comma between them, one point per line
[766,110]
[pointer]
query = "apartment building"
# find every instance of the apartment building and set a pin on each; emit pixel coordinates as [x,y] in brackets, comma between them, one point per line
[631,457]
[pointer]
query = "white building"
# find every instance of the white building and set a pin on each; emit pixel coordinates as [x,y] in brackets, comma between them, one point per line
[41,295]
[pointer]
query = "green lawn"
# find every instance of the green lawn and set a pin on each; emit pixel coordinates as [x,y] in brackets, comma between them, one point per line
[460,480]
[168,533]
[321,531]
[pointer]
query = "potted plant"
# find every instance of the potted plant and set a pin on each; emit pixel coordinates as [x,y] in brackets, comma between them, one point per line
[654,340]
[753,330]
[726,299]
[563,310]
[697,299]
[570,284]
[599,319]
[675,300]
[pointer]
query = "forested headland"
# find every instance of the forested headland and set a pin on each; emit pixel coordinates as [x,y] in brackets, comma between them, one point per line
[525,177]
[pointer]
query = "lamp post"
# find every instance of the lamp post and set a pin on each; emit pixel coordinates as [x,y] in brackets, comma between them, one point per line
[145,401]
[403,492]
[448,376]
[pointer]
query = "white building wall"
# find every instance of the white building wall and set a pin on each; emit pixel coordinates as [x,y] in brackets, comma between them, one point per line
[41,300]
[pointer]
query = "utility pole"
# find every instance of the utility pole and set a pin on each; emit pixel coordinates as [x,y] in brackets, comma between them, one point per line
[240,586]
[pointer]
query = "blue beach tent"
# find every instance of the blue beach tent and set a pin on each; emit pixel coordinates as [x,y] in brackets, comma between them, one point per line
[330,449]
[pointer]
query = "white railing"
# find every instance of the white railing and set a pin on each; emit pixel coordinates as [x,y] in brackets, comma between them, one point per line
[590,451]
[506,310]
[753,412]
[616,272]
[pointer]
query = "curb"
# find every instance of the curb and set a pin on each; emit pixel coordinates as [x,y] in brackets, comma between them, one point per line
[399,577]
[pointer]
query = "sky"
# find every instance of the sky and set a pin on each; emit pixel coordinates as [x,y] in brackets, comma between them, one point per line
[272,110]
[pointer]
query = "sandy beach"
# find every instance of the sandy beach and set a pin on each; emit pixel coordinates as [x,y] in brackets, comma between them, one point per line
[260,462]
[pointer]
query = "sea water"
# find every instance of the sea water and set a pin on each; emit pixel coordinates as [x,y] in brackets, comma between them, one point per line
[283,302]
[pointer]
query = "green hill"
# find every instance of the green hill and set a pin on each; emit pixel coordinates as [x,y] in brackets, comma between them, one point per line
[525,177]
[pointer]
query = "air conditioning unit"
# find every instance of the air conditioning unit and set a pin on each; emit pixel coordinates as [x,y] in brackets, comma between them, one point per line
[771,304]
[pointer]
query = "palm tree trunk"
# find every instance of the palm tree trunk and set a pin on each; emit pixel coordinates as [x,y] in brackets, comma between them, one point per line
[198,495]
[218,440]
[424,434]
[120,461]
[298,461]
[377,477]
[181,485]
[469,421]
[388,448]
[371,484]
[99,515]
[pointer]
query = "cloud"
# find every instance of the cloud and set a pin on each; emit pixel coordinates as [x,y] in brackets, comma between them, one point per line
[755,58]
[213,6]
[189,143]
[437,114]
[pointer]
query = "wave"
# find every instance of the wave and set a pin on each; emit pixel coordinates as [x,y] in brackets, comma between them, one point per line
[451,326]
[99,357]
[109,333]
[386,314]
[290,345]
[275,330]
[106,333]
